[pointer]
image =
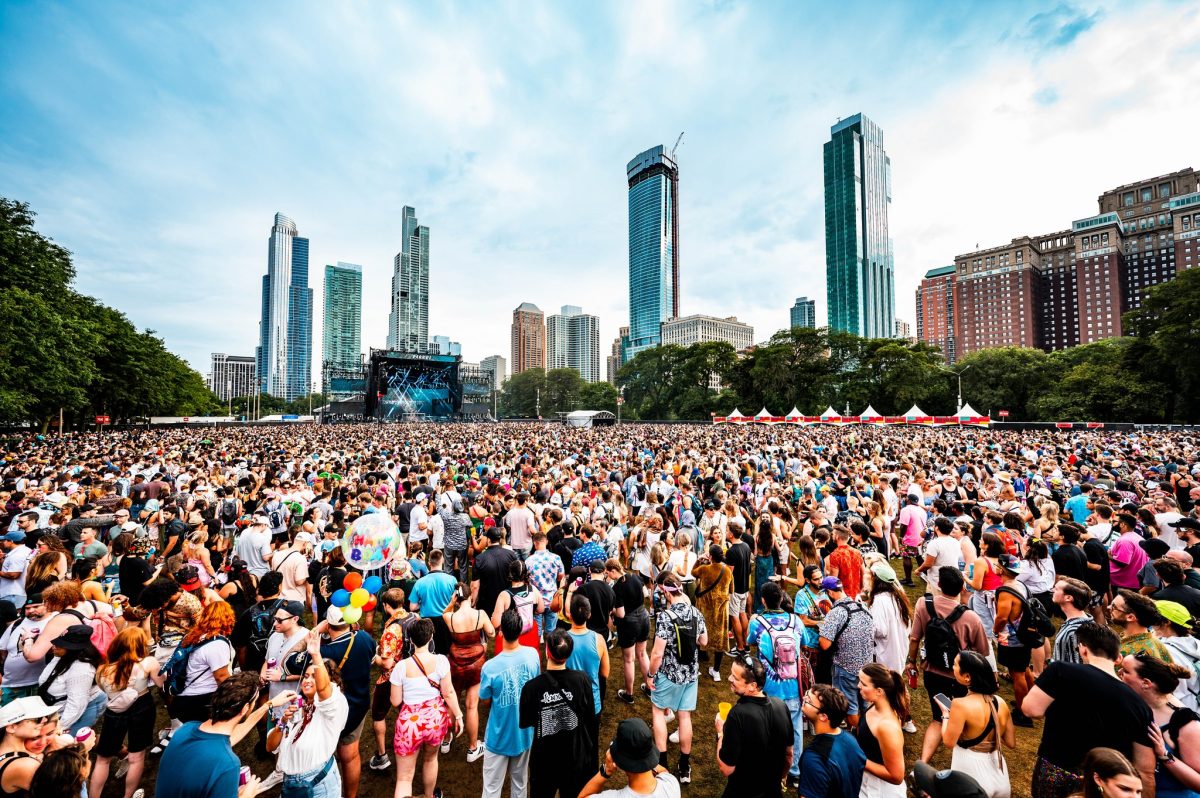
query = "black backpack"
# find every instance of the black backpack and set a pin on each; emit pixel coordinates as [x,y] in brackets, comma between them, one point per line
[1035,625]
[941,643]
[262,623]
[229,514]
[275,516]
[686,633]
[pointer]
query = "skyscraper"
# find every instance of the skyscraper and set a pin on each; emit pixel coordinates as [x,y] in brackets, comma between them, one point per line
[496,366]
[858,252]
[528,338]
[573,342]
[284,354]
[613,361]
[935,310]
[442,345]
[341,331]
[653,247]
[408,323]
[804,312]
[231,376]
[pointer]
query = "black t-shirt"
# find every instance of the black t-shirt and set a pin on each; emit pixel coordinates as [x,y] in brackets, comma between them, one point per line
[758,732]
[629,592]
[1187,596]
[402,515]
[1096,553]
[491,569]
[566,550]
[133,573]
[1070,561]
[558,705]
[602,597]
[1194,550]
[738,558]
[354,651]
[1090,709]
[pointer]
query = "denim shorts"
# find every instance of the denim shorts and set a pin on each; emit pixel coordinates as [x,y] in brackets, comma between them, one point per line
[847,683]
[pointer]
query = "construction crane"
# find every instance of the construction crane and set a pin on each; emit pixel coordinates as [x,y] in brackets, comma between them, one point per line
[677,141]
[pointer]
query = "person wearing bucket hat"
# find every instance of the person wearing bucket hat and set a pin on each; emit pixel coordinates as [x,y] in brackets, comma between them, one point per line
[634,752]
[931,783]
[69,679]
[1012,602]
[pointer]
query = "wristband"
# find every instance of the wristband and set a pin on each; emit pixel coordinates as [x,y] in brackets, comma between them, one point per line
[603,772]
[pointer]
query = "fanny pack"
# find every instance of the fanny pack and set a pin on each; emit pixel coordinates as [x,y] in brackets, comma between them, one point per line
[300,787]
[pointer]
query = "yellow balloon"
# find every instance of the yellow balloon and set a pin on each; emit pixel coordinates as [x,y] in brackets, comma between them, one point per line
[351,614]
[359,597]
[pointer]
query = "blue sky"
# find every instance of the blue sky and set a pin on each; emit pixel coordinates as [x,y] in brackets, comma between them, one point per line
[157,141]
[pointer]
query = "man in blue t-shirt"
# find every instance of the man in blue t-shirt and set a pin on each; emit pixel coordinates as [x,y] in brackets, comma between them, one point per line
[506,744]
[200,762]
[833,764]
[431,595]
[780,622]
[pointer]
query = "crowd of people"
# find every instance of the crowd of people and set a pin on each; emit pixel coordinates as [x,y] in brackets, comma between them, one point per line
[821,574]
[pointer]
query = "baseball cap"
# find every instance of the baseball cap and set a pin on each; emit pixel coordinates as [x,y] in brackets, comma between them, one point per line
[633,748]
[293,608]
[33,598]
[831,583]
[945,783]
[24,709]
[16,536]
[306,537]
[1186,523]
[1175,612]
[334,616]
[188,577]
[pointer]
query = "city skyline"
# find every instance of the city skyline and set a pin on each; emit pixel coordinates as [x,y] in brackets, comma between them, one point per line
[518,192]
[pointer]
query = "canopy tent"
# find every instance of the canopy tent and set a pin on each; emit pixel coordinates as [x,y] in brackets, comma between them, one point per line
[966,411]
[736,417]
[870,416]
[589,418]
[830,413]
[915,412]
[763,417]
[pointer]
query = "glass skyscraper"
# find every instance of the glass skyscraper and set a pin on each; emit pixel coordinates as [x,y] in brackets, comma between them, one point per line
[408,324]
[341,330]
[804,313]
[653,247]
[858,252]
[284,354]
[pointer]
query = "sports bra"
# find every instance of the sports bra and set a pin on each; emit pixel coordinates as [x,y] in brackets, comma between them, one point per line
[989,727]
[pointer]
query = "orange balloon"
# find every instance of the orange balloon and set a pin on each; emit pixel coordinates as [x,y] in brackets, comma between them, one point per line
[353,581]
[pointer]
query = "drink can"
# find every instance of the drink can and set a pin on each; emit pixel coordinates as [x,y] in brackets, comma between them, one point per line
[243,775]
[912,678]
[271,663]
[83,735]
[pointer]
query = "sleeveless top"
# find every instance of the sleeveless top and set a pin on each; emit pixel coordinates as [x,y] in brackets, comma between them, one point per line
[5,761]
[989,727]
[1165,782]
[585,656]
[867,742]
[466,647]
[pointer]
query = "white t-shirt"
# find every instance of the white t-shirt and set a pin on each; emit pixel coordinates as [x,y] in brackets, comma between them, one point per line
[203,663]
[300,753]
[1166,532]
[945,550]
[277,647]
[16,560]
[18,671]
[253,548]
[417,517]
[293,565]
[667,786]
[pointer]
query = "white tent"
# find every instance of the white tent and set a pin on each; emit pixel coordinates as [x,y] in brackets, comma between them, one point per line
[869,413]
[830,413]
[915,412]
[794,415]
[762,416]
[735,417]
[966,411]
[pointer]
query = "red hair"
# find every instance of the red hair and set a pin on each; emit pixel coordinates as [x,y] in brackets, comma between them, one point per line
[217,619]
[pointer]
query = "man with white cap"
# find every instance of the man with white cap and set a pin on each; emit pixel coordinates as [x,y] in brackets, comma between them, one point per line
[12,573]
[254,546]
[21,721]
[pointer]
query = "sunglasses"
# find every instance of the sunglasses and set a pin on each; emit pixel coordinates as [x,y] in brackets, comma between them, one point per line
[283,619]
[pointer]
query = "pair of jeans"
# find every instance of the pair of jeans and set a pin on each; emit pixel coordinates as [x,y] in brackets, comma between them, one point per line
[795,709]
[90,715]
[546,622]
[456,563]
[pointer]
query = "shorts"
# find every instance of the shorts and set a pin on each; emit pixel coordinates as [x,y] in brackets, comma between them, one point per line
[669,695]
[910,551]
[381,701]
[737,604]
[633,629]
[847,684]
[11,694]
[353,730]
[136,723]
[1015,658]
[426,724]
[937,683]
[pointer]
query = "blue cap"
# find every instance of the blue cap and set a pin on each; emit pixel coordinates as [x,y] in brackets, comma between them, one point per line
[16,536]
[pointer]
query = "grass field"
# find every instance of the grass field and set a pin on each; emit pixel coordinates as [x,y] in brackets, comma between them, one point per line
[458,779]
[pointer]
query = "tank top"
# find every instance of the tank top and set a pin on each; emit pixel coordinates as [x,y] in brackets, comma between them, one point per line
[5,761]
[585,656]
[1165,782]
[868,743]
[420,688]
[989,727]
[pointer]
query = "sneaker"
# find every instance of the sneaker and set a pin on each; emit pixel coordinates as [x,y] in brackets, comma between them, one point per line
[674,736]
[626,697]
[646,691]
[733,652]
[121,769]
[910,727]
[670,715]
[715,674]
[379,762]
[446,743]
[274,780]
[685,775]
[475,754]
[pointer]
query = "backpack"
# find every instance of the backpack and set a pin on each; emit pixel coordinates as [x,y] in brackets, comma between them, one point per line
[275,516]
[524,602]
[941,643]
[406,644]
[1034,625]
[175,670]
[685,637]
[640,489]
[229,514]
[785,654]
[851,608]
[103,628]
[262,620]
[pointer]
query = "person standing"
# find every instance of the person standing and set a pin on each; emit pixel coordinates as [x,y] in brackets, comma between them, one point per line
[387,654]
[431,596]
[506,744]
[589,656]
[291,560]
[848,638]
[755,742]
[1012,602]
[880,732]
[20,676]
[778,636]
[16,561]
[429,711]
[353,652]
[546,575]
[521,524]
[1136,615]
[632,623]
[557,705]
[491,572]
[976,725]
[1072,597]
[911,524]
[1127,557]
[833,763]
[739,558]
[1175,733]
[675,669]
[602,598]
[253,546]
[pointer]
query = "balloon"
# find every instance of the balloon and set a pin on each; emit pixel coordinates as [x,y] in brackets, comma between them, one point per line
[333,610]
[352,614]
[372,584]
[353,581]
[369,606]
[359,597]
[369,542]
[340,598]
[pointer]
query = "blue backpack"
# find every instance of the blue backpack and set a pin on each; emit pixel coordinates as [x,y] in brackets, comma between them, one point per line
[176,668]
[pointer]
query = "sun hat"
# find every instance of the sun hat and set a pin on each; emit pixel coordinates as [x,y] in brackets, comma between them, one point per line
[885,572]
[1010,563]
[633,748]
[24,709]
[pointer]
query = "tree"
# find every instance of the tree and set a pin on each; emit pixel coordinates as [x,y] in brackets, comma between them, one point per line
[561,394]
[1007,378]
[648,380]
[1167,327]
[31,261]
[519,397]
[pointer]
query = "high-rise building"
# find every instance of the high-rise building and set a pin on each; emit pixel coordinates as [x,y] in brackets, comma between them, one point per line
[859,275]
[528,338]
[284,355]
[341,331]
[232,376]
[653,247]
[495,365]
[442,345]
[997,297]
[935,310]
[573,342]
[698,328]
[804,313]
[613,361]
[903,330]
[408,323]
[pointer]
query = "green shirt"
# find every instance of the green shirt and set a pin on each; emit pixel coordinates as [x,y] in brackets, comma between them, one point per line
[1144,642]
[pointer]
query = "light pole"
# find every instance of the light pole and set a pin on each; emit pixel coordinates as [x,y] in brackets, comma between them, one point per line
[537,402]
[229,393]
[620,401]
[958,374]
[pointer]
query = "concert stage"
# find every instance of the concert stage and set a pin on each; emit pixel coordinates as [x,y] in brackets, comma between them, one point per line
[410,386]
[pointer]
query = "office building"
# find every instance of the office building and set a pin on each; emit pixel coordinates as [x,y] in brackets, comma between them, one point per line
[232,376]
[528,338]
[935,310]
[804,313]
[408,323]
[860,283]
[613,361]
[903,330]
[341,330]
[573,342]
[653,247]
[495,365]
[699,328]
[284,355]
[442,345]
[997,295]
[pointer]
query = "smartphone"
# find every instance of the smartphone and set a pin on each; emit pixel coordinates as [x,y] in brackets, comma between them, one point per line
[944,700]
